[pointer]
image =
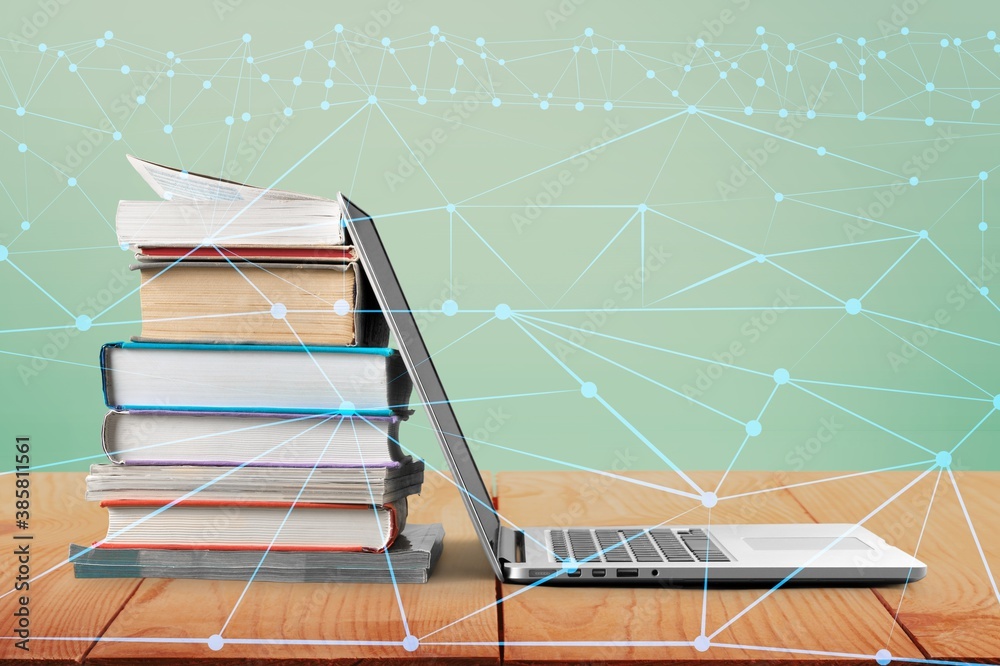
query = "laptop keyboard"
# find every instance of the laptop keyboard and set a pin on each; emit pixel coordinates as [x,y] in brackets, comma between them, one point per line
[635,545]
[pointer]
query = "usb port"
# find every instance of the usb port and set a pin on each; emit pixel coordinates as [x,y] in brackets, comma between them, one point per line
[575,574]
[628,573]
[598,573]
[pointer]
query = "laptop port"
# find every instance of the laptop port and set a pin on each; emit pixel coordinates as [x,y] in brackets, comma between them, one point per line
[628,573]
[575,574]
[598,573]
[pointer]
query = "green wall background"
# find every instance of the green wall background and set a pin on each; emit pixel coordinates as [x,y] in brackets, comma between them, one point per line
[494,163]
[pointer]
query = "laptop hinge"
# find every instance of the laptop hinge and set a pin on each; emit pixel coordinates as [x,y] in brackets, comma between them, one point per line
[507,545]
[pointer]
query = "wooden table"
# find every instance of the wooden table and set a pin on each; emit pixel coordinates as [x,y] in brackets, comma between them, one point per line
[951,615]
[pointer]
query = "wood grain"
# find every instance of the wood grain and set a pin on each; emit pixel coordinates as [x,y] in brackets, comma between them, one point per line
[59,605]
[195,610]
[844,620]
[953,613]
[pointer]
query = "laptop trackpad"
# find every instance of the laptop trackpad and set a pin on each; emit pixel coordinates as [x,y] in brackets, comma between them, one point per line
[805,543]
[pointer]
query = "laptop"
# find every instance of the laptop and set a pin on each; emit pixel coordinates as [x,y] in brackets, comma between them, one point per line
[744,555]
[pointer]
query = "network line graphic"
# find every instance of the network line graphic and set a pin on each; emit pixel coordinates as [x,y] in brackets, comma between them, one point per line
[840,181]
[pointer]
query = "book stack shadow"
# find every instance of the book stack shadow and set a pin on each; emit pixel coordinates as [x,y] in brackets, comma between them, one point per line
[254,423]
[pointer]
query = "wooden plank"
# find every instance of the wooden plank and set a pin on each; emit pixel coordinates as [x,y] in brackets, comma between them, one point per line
[841,620]
[952,614]
[193,611]
[59,605]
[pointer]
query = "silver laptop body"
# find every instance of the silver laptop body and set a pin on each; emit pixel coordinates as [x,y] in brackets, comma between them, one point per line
[744,555]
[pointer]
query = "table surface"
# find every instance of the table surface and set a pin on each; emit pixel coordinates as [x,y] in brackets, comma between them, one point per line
[953,614]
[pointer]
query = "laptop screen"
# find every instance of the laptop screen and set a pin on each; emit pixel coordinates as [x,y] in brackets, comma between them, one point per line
[418,362]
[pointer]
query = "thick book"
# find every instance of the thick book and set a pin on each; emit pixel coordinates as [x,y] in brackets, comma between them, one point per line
[412,557]
[195,524]
[257,378]
[235,301]
[198,210]
[250,438]
[353,485]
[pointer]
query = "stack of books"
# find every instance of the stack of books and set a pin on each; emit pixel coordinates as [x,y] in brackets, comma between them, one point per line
[254,422]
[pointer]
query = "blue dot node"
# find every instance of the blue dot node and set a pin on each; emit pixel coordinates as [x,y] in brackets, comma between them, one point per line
[862,115]
[621,47]
[593,50]
[247,37]
[347,407]
[22,147]
[449,308]
[754,428]
[943,459]
[170,55]
[578,106]
[265,77]
[450,208]
[372,99]
[386,41]
[692,109]
[167,129]
[904,31]
[608,106]
[421,100]
[957,41]
[279,310]
[650,74]
[72,67]
[297,81]
[543,105]
[576,49]
[991,35]
[791,46]
[983,175]
[338,28]
[976,104]
[985,291]
[748,110]
[881,55]
[100,43]
[760,83]
[788,68]
[496,102]
[862,76]
[763,47]
[452,90]
[734,65]
[840,40]
[821,151]
[480,41]
[833,64]
[124,247]
[588,389]
[643,208]
[928,121]
[709,499]
[883,657]
[914,180]
[331,64]
[126,69]
[411,643]
[923,234]
[723,74]
[83,322]
[230,120]
[996,398]
[141,99]
[4,252]
[781,376]
[328,83]
[245,117]
[215,642]
[701,644]
[25,225]
[308,44]
[71,182]
[760,258]
[861,41]
[853,306]
[502,311]
[325,105]
[760,30]
[288,111]
[996,48]
[569,566]
[983,226]
[779,197]
[810,114]
[782,113]
[699,43]
[929,87]
[341,307]
[687,68]
[944,43]
[42,47]
[435,30]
